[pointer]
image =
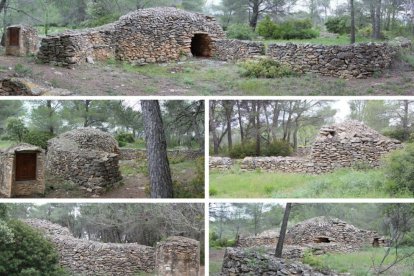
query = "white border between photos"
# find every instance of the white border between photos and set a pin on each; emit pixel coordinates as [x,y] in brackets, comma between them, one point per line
[207,200]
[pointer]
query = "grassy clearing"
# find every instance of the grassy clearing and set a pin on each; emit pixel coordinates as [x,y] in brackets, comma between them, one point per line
[339,40]
[360,263]
[344,183]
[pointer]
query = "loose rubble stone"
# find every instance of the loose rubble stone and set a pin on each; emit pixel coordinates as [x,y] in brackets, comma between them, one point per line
[88,157]
[27,87]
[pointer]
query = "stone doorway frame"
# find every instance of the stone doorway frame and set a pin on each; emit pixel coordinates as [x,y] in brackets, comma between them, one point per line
[201,45]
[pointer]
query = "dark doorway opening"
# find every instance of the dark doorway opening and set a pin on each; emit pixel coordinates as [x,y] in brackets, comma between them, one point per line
[201,45]
[375,242]
[322,240]
[14,36]
[26,166]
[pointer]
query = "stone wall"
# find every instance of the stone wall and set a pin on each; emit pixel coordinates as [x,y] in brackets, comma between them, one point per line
[9,187]
[28,41]
[262,239]
[220,163]
[233,49]
[239,261]
[347,61]
[344,145]
[141,154]
[175,256]
[87,157]
[178,256]
[144,36]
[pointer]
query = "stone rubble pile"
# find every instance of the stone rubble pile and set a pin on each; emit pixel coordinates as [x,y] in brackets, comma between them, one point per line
[27,87]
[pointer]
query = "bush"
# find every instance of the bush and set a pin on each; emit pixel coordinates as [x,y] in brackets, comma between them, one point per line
[16,129]
[240,151]
[240,31]
[38,138]
[28,254]
[277,148]
[125,137]
[398,134]
[339,25]
[265,68]
[266,28]
[194,189]
[400,169]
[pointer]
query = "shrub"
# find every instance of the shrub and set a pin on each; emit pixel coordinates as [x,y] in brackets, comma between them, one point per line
[195,188]
[400,169]
[266,28]
[279,148]
[240,31]
[125,137]
[16,129]
[338,25]
[310,259]
[398,134]
[240,151]
[265,68]
[28,254]
[37,138]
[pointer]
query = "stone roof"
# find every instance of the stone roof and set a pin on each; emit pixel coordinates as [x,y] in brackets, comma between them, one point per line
[350,131]
[23,147]
[86,139]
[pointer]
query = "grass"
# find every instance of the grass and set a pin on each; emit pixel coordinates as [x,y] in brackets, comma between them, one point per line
[359,263]
[6,144]
[340,40]
[344,183]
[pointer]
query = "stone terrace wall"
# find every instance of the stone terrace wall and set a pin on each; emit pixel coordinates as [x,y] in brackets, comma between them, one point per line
[178,256]
[233,49]
[144,36]
[85,257]
[87,157]
[251,262]
[141,154]
[349,61]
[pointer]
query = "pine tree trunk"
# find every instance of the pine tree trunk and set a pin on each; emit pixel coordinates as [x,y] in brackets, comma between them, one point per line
[158,165]
[283,230]
[352,22]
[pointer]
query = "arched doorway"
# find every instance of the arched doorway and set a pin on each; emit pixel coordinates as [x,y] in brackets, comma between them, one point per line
[201,45]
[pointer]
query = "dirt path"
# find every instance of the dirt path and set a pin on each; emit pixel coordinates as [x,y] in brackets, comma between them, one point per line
[134,187]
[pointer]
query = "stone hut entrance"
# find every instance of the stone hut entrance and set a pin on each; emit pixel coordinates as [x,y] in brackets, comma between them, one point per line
[201,45]
[322,240]
[21,40]
[14,36]
[22,171]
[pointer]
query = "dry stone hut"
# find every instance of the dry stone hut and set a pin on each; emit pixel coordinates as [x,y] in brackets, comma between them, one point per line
[22,171]
[21,40]
[143,36]
[88,157]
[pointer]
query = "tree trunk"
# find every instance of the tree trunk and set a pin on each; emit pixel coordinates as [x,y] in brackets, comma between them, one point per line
[2,4]
[283,229]
[86,116]
[377,21]
[255,14]
[50,109]
[240,122]
[352,22]
[213,127]
[405,120]
[275,123]
[258,134]
[228,106]
[158,165]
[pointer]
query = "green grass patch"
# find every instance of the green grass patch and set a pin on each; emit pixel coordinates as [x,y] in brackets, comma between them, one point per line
[344,183]
[360,263]
[6,144]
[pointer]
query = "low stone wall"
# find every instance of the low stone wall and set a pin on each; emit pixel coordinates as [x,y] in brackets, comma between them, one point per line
[173,257]
[220,163]
[178,256]
[232,49]
[280,164]
[141,154]
[251,262]
[265,238]
[348,61]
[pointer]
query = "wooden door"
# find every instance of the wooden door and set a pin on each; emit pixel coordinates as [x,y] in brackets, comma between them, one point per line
[14,37]
[26,166]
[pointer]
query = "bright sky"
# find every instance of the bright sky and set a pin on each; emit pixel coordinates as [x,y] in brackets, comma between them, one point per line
[343,110]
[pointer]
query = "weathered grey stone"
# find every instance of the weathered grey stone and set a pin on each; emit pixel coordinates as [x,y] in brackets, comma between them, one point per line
[27,40]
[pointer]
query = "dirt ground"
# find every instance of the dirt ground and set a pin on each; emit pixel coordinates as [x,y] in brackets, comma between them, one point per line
[201,77]
[216,260]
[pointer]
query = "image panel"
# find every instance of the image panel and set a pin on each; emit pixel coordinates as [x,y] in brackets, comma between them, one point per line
[311,239]
[311,149]
[196,47]
[102,149]
[102,239]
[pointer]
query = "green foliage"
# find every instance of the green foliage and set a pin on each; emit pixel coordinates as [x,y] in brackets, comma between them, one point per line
[215,242]
[240,31]
[28,254]
[37,138]
[266,28]
[406,56]
[338,25]
[195,189]
[265,68]
[400,169]
[16,129]
[125,137]
[310,259]
[22,70]
[276,148]
[398,133]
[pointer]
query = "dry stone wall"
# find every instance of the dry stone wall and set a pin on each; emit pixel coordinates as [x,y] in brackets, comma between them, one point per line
[345,145]
[265,238]
[87,157]
[173,257]
[141,154]
[144,36]
[220,163]
[348,61]
[27,40]
[233,49]
[239,261]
